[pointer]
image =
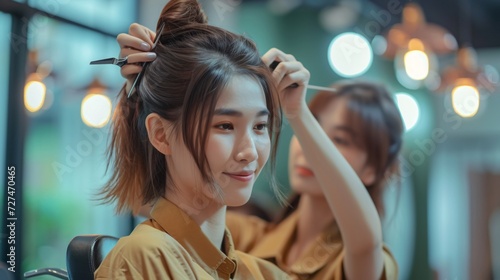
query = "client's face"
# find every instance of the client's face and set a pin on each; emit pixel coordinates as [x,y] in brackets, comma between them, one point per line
[237,147]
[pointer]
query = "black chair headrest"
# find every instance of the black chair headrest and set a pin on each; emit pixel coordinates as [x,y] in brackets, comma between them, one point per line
[85,253]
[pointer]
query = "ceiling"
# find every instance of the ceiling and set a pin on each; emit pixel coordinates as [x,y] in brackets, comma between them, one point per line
[472,22]
[475,22]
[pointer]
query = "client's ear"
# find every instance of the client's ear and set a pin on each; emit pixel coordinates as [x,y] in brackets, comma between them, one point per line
[158,133]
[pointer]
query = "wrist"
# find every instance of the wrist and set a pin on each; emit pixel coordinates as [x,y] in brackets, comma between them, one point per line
[299,115]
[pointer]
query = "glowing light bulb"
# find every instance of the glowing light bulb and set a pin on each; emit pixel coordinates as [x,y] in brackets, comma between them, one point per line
[96,110]
[34,95]
[416,61]
[465,98]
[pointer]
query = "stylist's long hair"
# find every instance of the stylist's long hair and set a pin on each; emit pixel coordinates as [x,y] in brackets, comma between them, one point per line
[195,61]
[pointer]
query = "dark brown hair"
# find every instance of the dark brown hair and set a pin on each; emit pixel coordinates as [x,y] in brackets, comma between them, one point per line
[378,127]
[195,61]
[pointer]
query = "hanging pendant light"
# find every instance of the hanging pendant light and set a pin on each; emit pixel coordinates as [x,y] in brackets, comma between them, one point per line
[464,80]
[35,90]
[96,106]
[413,45]
[416,60]
[34,93]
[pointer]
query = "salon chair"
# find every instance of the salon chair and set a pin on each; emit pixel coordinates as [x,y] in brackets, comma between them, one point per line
[83,256]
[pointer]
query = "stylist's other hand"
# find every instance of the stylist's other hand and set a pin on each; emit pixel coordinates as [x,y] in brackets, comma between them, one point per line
[292,78]
[136,46]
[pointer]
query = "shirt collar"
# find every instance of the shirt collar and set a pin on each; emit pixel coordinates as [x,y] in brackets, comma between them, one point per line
[188,233]
[276,244]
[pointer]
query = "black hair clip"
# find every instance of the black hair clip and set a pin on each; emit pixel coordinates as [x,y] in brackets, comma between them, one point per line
[120,62]
[144,64]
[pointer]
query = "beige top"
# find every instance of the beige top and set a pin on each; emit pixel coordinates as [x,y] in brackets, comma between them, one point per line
[170,245]
[323,260]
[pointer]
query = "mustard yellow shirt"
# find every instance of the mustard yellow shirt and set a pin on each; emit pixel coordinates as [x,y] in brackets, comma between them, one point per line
[323,260]
[170,245]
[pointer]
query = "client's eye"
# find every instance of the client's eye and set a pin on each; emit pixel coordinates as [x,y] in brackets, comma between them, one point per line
[224,126]
[261,126]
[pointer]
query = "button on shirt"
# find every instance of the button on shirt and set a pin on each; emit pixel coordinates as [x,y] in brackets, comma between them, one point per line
[171,245]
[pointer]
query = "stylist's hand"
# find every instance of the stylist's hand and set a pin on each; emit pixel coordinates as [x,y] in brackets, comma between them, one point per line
[287,73]
[136,46]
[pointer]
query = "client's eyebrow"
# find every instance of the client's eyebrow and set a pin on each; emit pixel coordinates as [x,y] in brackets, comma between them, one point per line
[236,113]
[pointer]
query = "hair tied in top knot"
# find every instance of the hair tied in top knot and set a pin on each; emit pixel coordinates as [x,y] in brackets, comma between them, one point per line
[179,13]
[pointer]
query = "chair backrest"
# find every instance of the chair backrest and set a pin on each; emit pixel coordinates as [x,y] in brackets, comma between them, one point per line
[85,253]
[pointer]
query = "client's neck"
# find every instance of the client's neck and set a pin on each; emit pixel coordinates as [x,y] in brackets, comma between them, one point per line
[209,215]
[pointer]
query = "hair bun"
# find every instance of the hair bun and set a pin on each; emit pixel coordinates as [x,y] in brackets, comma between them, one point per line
[179,13]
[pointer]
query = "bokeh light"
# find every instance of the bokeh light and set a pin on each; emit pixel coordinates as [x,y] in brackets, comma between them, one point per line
[350,55]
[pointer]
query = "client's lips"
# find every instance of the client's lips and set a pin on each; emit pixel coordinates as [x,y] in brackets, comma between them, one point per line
[303,171]
[244,176]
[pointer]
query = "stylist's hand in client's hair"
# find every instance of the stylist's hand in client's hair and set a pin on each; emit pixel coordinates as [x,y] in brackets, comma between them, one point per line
[136,46]
[291,79]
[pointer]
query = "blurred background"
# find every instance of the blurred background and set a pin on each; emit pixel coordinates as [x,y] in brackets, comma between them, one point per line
[439,58]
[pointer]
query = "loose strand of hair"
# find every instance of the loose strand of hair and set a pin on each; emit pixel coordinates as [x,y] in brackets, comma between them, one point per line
[124,151]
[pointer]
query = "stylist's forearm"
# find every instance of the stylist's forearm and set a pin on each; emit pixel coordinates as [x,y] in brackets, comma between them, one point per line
[348,198]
